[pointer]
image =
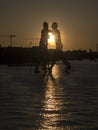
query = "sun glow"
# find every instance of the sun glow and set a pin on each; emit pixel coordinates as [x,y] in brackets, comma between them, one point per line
[51,41]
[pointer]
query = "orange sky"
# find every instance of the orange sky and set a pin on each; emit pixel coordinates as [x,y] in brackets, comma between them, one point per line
[77,20]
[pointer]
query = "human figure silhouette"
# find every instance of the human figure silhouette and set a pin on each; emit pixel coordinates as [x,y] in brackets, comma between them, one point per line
[44,36]
[59,46]
[43,43]
[57,35]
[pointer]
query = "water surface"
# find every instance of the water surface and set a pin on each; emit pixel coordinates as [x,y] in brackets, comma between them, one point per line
[57,101]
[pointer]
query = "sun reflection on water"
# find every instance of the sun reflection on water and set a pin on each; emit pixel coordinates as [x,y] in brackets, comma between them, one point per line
[52,112]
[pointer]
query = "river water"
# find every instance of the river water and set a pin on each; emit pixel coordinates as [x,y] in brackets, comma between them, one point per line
[57,101]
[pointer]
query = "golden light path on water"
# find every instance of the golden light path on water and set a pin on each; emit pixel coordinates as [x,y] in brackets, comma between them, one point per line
[52,113]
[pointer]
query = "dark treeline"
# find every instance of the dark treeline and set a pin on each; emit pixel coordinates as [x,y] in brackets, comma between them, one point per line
[19,55]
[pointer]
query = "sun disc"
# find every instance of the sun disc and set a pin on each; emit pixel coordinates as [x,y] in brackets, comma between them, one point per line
[51,40]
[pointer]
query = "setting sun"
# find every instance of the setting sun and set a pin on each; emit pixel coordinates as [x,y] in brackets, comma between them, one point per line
[51,41]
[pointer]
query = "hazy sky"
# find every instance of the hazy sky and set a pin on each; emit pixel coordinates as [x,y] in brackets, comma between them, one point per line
[77,20]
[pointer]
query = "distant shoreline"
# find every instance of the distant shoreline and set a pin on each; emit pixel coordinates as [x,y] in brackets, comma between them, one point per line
[28,56]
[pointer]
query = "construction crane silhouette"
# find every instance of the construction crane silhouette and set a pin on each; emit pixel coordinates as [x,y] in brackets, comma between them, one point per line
[11,38]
